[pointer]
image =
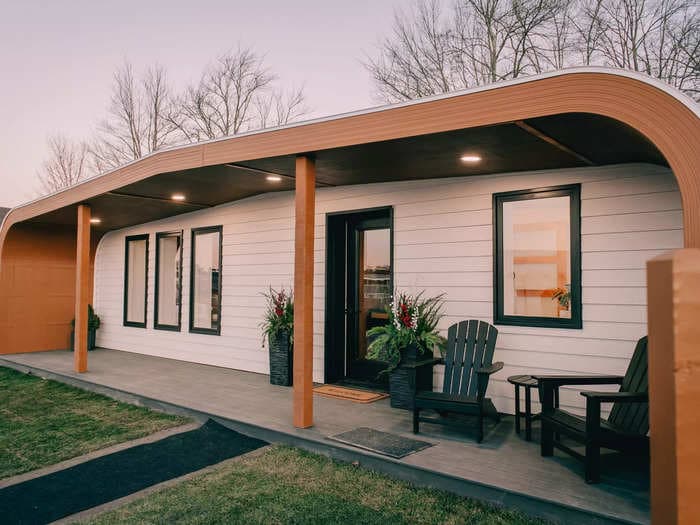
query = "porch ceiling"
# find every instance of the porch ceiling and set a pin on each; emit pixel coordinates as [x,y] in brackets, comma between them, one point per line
[559,141]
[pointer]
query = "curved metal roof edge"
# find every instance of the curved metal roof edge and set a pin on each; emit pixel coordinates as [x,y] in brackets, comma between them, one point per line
[693,106]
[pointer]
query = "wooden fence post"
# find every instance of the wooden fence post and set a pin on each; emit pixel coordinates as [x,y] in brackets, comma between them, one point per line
[673,299]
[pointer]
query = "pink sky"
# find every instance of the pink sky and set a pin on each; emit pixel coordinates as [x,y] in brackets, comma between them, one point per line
[57,60]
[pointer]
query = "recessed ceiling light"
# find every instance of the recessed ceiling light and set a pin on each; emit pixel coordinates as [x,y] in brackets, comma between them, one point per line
[471,158]
[178,197]
[95,220]
[273,178]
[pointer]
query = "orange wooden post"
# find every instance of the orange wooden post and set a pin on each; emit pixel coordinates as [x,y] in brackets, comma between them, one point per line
[82,289]
[304,292]
[673,295]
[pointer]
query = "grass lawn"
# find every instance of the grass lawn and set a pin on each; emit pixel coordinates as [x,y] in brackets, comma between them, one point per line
[286,485]
[44,422]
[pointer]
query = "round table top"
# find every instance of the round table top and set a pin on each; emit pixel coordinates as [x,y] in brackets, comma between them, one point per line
[523,380]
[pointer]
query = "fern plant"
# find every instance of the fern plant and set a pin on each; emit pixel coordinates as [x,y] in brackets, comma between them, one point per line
[412,320]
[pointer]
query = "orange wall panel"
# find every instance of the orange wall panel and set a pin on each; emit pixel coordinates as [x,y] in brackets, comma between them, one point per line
[37,288]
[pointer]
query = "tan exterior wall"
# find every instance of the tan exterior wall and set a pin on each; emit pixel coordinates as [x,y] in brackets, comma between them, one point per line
[37,287]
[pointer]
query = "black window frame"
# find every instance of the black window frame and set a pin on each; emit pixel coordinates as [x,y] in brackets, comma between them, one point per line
[193,254]
[127,240]
[573,191]
[156,324]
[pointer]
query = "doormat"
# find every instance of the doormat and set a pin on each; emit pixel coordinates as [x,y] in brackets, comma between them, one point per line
[98,481]
[391,445]
[349,394]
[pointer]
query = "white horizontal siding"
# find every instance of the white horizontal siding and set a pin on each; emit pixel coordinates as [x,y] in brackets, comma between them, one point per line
[443,243]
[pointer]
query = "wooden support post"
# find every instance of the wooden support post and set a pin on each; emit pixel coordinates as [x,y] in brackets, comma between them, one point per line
[304,292]
[82,289]
[673,298]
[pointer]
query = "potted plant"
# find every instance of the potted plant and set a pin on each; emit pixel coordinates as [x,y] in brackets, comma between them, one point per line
[563,297]
[278,329]
[93,325]
[406,343]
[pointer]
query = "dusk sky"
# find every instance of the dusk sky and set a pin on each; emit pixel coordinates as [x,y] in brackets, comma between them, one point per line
[58,59]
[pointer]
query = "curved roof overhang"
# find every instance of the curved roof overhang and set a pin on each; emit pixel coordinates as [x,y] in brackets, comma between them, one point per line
[668,119]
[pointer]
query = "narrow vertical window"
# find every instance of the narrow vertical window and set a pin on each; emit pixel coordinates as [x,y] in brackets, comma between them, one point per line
[168,303]
[537,257]
[205,281]
[135,280]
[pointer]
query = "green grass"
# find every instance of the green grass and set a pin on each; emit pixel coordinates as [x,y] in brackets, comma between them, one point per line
[285,485]
[44,422]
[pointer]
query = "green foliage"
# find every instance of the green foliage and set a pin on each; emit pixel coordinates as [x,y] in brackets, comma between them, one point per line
[93,319]
[563,296]
[279,314]
[412,320]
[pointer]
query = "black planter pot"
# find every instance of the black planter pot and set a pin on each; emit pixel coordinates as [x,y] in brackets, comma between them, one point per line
[281,359]
[92,336]
[415,372]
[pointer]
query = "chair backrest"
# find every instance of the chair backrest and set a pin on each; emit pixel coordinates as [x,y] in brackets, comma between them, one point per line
[470,345]
[633,417]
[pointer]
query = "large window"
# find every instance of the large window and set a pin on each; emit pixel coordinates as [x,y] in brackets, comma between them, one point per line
[135,280]
[537,257]
[205,281]
[168,304]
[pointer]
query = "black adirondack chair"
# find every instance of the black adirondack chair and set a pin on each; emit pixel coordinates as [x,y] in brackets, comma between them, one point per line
[626,427]
[468,366]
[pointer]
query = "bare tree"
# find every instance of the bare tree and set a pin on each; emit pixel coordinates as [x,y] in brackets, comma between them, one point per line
[139,119]
[553,45]
[498,38]
[234,94]
[658,37]
[588,30]
[417,60]
[279,108]
[485,41]
[67,164]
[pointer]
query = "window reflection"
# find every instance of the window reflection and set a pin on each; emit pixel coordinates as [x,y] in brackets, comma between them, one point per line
[206,280]
[537,257]
[169,257]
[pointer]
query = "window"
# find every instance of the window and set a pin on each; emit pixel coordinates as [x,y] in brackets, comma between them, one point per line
[135,280]
[537,257]
[205,281]
[168,304]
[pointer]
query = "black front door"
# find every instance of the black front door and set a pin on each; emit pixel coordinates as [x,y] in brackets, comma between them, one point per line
[360,283]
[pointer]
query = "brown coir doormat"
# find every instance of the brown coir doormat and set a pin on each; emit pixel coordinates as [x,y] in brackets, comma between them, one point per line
[349,394]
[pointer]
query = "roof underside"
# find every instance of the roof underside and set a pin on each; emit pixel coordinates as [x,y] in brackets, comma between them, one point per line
[553,142]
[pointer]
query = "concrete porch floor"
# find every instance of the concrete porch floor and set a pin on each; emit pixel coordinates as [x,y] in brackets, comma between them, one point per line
[504,469]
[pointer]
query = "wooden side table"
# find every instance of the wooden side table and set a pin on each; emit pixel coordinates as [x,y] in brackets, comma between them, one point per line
[528,383]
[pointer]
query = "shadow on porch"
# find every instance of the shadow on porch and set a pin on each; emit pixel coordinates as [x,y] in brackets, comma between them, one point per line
[504,469]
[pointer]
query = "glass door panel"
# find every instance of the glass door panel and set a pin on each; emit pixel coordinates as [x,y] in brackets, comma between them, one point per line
[374,283]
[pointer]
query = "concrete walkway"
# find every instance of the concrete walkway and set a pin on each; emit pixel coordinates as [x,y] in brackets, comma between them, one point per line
[504,469]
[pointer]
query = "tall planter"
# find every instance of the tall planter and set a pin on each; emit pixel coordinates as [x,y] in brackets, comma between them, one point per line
[281,359]
[92,337]
[414,373]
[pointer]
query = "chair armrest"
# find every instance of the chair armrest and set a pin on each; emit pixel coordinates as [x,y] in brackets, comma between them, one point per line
[482,378]
[549,386]
[556,380]
[492,368]
[612,397]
